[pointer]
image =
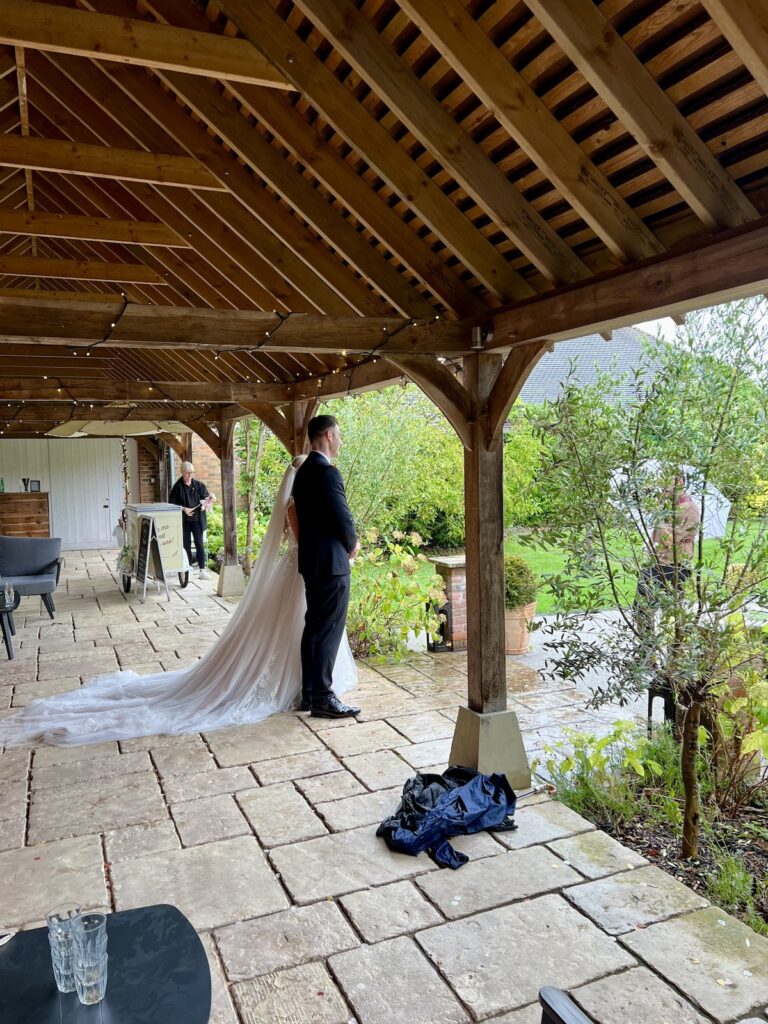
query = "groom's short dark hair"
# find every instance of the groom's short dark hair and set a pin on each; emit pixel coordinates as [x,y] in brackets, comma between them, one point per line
[319,424]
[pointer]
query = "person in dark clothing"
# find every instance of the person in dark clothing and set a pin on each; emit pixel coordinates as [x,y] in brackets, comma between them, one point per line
[327,541]
[191,495]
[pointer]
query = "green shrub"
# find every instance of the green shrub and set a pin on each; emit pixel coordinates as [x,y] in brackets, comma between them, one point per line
[392,596]
[520,584]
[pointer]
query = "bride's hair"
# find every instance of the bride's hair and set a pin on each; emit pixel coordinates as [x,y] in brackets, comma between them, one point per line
[297,461]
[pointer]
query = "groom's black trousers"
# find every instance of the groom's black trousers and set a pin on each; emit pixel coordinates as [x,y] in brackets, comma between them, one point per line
[326,618]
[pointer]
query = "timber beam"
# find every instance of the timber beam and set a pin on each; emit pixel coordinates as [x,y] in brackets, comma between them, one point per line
[727,266]
[93,229]
[79,270]
[65,157]
[133,41]
[153,327]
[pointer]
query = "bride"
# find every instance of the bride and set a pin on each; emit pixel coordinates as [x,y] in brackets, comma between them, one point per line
[251,672]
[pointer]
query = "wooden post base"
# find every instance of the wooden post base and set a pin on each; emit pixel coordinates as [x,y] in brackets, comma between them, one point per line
[231,581]
[491,742]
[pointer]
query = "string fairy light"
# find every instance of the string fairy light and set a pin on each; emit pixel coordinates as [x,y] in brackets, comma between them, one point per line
[112,324]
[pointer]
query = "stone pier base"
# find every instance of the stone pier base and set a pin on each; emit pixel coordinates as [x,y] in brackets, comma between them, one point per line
[231,581]
[491,743]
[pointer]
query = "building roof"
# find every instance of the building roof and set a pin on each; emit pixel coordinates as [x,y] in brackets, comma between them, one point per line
[587,357]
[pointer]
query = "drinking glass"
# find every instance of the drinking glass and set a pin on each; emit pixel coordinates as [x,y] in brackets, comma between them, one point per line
[8,592]
[90,957]
[61,923]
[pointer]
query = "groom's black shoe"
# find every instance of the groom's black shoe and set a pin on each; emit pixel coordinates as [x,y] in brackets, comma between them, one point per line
[333,708]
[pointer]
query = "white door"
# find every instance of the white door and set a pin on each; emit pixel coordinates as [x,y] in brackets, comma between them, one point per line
[86,490]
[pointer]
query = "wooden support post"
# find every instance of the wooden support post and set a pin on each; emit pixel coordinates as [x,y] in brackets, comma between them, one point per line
[186,446]
[164,470]
[484,543]
[301,412]
[487,736]
[231,579]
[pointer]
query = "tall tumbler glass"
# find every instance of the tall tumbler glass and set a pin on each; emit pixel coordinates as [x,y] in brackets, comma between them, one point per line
[61,923]
[90,957]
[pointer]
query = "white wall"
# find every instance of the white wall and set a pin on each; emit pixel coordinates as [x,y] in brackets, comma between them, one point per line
[84,481]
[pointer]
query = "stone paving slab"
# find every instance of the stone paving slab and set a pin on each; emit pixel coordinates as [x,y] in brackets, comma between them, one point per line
[191,741]
[141,840]
[37,878]
[498,960]
[296,766]
[528,1015]
[299,995]
[287,939]
[13,799]
[97,806]
[323,788]
[481,844]
[214,885]
[12,832]
[341,863]
[222,1010]
[596,854]
[186,761]
[638,996]
[379,770]
[279,814]
[393,981]
[717,960]
[420,755]
[178,788]
[354,811]
[634,899]
[52,775]
[208,820]
[430,725]
[483,884]
[363,738]
[276,737]
[542,823]
[389,910]
[25,693]
[63,755]
[88,666]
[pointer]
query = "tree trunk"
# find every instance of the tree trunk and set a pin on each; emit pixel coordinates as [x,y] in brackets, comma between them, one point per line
[688,756]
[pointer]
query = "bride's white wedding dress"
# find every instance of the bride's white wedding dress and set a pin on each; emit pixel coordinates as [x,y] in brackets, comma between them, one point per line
[251,672]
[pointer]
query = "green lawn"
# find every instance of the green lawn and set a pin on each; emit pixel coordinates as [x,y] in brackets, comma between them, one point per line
[545,561]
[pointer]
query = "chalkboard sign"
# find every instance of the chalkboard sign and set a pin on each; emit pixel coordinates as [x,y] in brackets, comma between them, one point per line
[147,525]
[149,550]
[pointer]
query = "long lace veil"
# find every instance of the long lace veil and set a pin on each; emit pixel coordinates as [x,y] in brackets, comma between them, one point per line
[262,573]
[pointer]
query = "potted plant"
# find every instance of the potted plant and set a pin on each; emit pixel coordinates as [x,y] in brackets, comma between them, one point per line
[520,586]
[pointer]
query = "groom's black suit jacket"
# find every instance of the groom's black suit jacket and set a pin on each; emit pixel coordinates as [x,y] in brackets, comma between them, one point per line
[327,533]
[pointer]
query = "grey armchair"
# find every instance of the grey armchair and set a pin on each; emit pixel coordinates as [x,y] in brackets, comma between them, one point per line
[33,566]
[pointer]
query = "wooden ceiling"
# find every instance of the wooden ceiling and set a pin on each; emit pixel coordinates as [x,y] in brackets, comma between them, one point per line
[210,206]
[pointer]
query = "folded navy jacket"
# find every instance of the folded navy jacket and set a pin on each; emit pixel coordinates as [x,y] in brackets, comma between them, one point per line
[459,802]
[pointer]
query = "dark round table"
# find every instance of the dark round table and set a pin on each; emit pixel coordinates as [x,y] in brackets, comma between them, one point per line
[158,974]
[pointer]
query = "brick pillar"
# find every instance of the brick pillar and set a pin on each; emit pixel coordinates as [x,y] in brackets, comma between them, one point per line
[453,569]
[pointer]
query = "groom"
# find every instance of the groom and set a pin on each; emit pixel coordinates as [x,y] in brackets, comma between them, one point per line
[327,541]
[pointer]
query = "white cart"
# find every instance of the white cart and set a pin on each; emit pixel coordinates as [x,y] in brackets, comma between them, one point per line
[168,527]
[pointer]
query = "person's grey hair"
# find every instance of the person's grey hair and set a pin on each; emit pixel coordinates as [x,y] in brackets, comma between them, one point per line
[297,461]
[187,467]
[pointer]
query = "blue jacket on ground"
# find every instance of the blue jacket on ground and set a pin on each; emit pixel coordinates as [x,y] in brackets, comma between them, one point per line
[459,802]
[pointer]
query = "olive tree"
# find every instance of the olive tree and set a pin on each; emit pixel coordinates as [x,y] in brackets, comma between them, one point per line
[619,445]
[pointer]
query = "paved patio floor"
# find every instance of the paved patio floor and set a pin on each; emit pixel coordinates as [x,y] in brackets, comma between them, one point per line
[264,836]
